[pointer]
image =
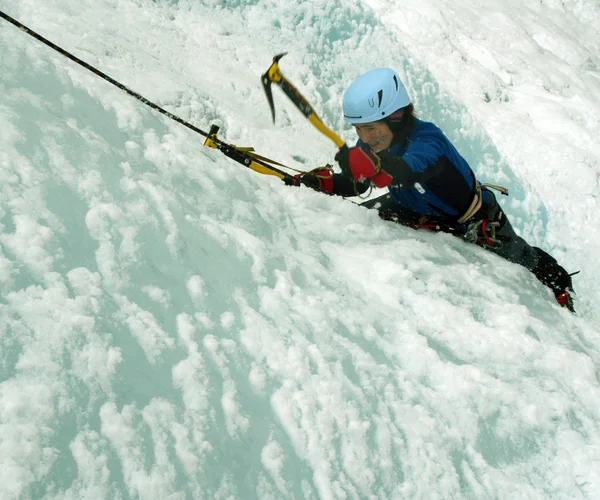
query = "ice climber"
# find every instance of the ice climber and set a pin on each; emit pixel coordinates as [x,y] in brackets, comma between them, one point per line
[430,184]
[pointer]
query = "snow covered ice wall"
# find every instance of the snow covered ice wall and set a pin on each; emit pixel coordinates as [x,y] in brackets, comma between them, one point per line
[172,325]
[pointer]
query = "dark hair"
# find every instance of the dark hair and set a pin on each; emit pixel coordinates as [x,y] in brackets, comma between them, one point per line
[402,127]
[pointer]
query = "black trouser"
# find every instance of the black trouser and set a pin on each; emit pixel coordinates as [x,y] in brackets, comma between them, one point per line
[507,245]
[510,246]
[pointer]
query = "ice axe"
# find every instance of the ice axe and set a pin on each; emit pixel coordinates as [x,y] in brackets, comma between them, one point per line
[274,75]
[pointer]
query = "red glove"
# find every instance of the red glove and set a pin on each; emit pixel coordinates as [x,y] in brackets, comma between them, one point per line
[367,165]
[321,178]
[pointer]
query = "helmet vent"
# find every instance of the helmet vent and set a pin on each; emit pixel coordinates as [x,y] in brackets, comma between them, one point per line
[396,82]
[380,95]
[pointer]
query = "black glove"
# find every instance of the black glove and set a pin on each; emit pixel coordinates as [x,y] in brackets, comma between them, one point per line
[343,159]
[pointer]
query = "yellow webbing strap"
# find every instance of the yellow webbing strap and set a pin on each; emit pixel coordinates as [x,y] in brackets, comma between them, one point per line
[503,190]
[263,158]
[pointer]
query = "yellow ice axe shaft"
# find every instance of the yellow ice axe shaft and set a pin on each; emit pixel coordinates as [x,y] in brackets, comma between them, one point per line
[274,75]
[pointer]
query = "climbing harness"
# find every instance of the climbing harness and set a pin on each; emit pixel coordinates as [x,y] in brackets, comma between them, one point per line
[478,200]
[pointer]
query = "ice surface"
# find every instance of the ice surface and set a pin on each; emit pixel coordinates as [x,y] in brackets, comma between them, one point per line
[173,325]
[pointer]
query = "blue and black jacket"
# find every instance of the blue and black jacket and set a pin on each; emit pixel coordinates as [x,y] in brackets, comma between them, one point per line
[429,176]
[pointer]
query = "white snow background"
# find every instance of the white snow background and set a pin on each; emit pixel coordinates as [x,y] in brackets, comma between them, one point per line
[173,325]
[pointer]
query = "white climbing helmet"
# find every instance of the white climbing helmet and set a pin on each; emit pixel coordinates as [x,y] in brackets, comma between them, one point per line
[374,96]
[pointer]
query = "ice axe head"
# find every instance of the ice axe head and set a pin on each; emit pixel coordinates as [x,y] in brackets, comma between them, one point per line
[272,75]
